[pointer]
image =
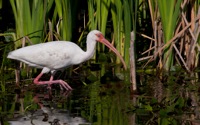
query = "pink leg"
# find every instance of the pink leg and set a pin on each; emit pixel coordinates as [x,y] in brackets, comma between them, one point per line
[36,100]
[51,81]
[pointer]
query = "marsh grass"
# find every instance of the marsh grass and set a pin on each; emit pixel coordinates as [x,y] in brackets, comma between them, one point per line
[175,40]
[29,17]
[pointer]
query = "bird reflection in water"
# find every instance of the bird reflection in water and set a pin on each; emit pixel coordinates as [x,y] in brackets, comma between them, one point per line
[48,112]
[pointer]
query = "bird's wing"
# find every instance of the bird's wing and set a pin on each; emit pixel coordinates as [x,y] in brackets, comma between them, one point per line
[54,55]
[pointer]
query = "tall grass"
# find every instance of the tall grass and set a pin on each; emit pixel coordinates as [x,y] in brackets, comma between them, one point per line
[29,18]
[175,39]
[169,13]
[63,11]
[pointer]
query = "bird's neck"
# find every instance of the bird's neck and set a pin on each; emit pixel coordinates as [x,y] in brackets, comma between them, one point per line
[91,45]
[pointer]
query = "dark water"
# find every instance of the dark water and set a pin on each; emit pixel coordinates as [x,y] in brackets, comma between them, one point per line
[167,99]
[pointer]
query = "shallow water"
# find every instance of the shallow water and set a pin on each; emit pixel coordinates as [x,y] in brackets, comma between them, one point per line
[166,99]
[92,103]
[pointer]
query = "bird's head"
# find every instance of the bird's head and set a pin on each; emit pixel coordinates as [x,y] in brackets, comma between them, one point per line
[96,35]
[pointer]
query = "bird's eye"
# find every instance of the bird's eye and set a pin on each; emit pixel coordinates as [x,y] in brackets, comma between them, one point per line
[98,35]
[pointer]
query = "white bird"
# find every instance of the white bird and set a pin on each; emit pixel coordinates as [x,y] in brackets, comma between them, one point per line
[57,55]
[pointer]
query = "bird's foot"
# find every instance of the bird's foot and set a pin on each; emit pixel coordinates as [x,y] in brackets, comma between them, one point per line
[65,85]
[61,82]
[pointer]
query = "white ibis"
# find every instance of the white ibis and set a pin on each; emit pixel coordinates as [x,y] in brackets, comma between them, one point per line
[57,55]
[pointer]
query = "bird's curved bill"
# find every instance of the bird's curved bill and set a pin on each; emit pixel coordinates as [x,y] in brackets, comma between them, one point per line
[110,46]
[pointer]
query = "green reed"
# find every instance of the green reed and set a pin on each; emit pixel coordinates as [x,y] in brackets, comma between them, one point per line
[29,18]
[169,12]
[176,34]
[63,11]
